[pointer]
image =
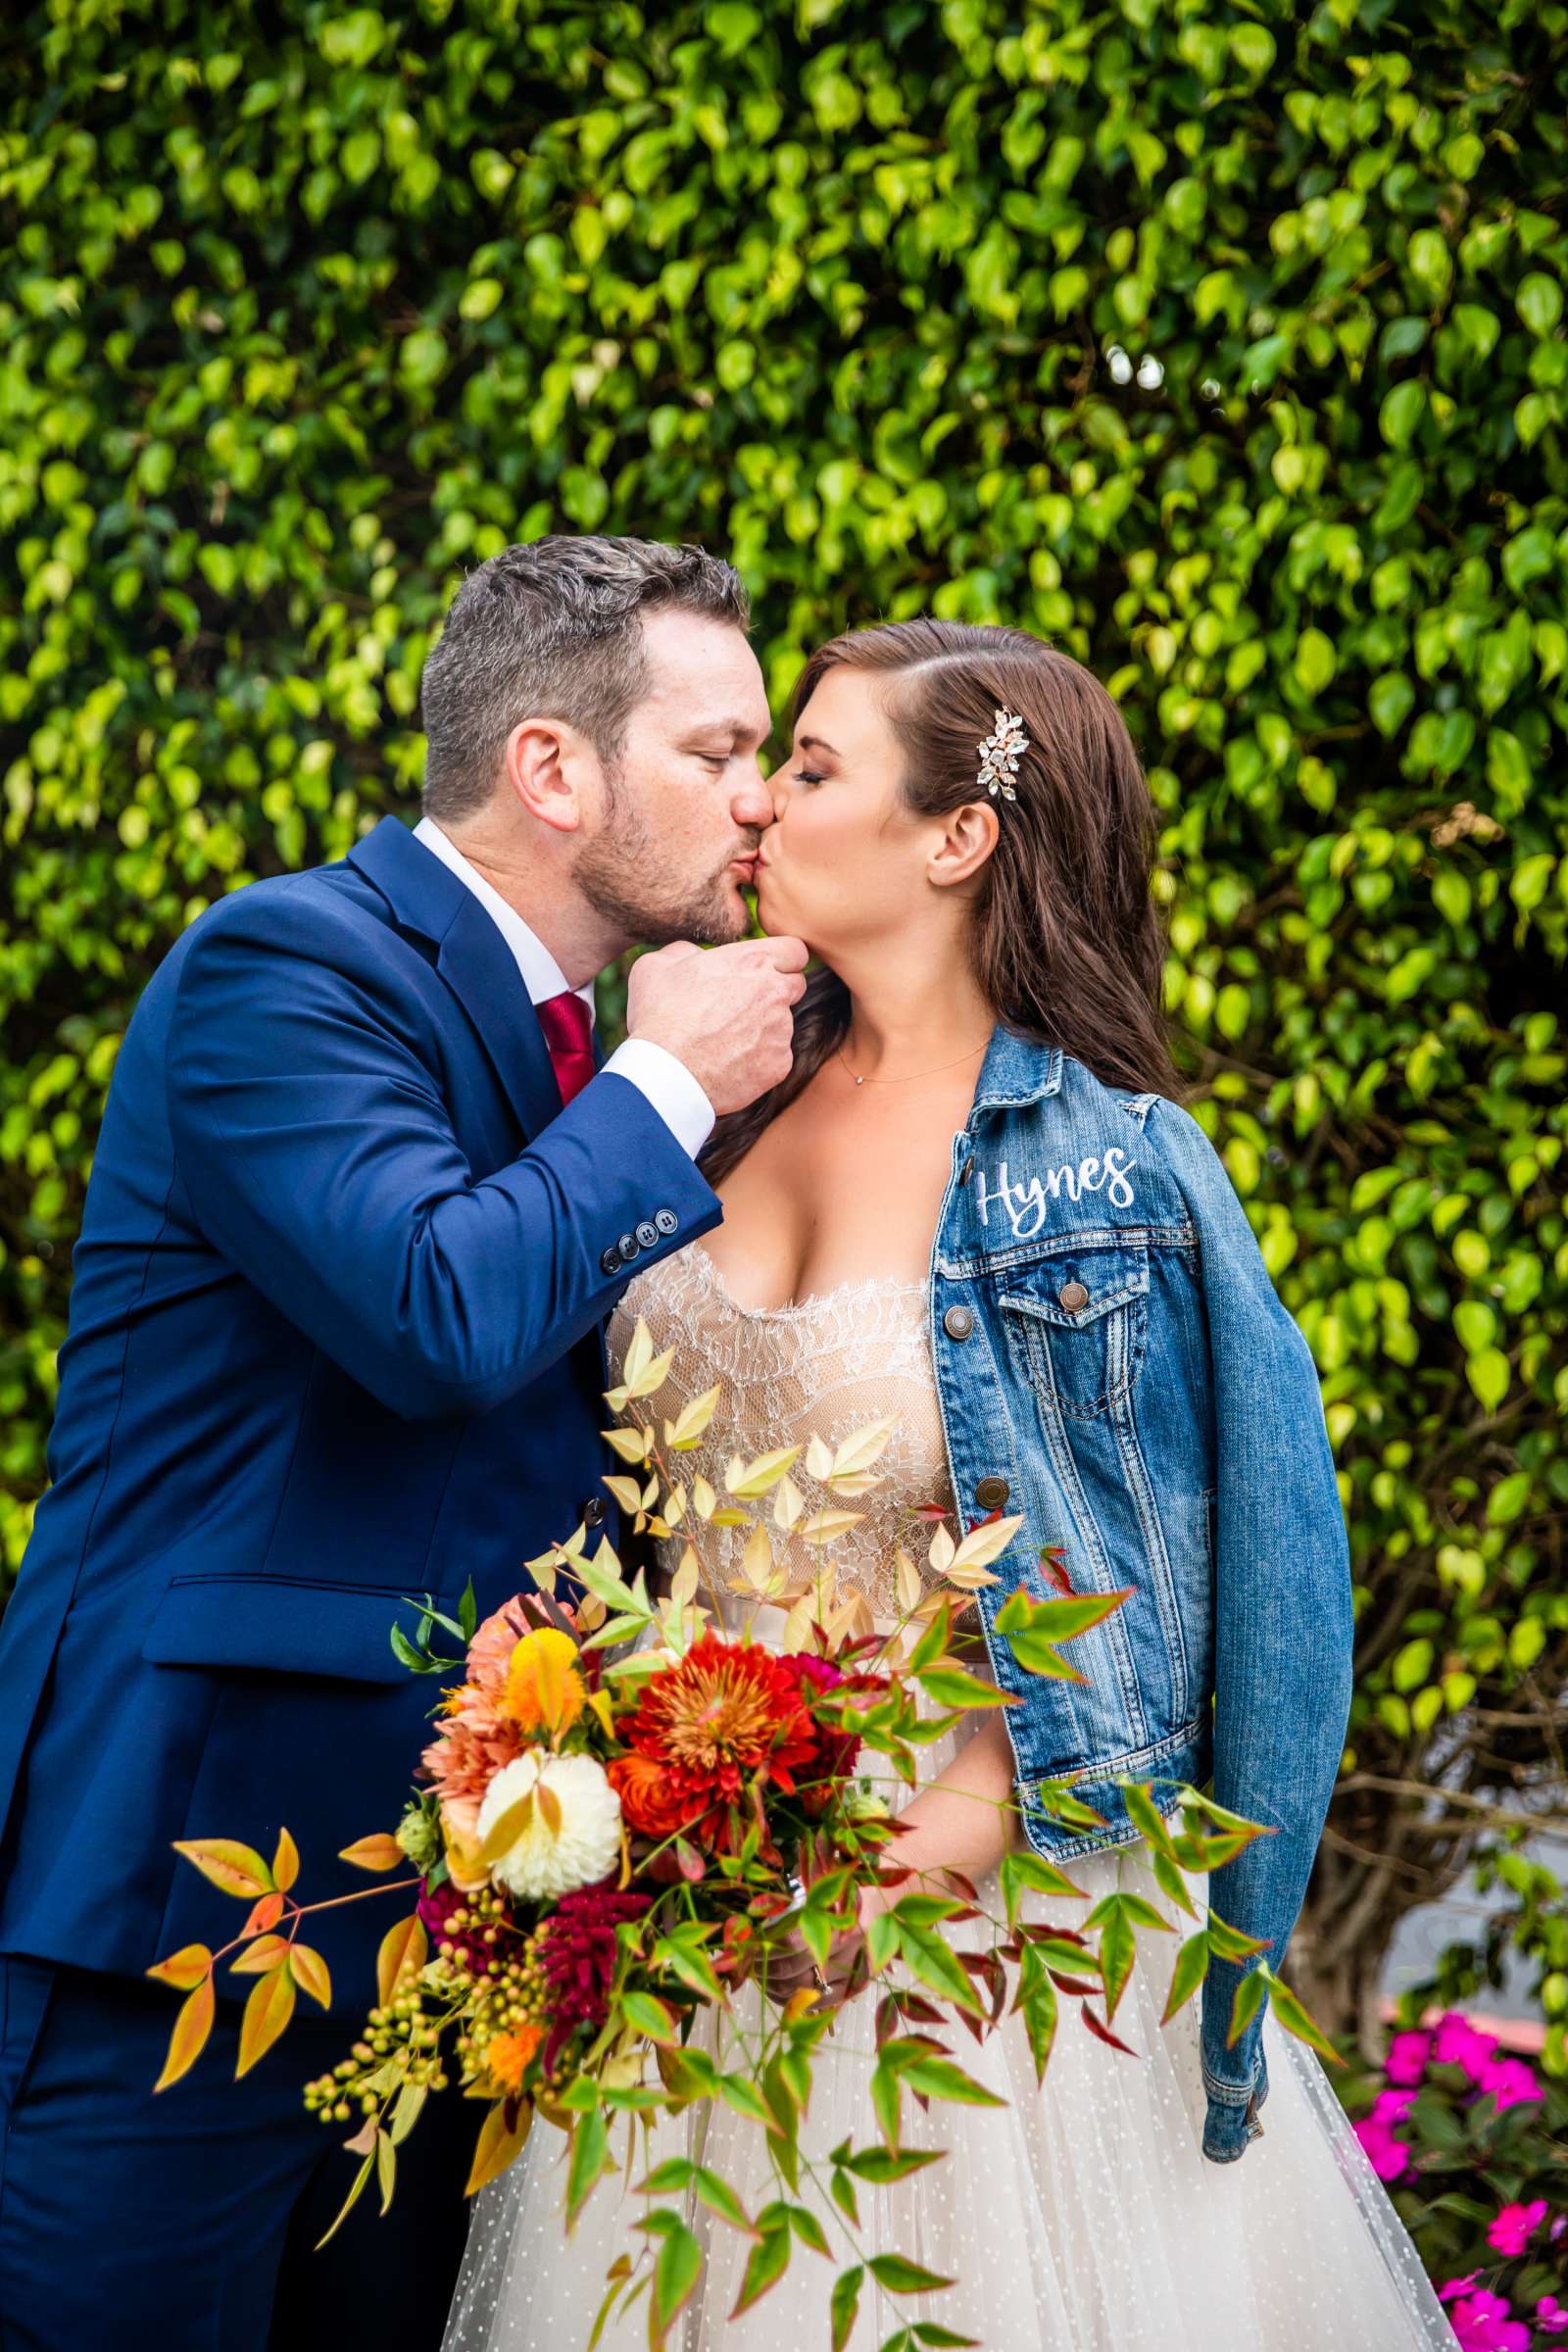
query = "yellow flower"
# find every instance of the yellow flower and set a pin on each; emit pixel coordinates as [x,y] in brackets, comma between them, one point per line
[544,1692]
[463,1864]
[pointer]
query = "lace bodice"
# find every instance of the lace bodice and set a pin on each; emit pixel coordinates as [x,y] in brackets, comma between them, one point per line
[824,1367]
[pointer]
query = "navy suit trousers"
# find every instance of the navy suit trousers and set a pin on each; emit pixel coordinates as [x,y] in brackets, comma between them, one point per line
[219,2190]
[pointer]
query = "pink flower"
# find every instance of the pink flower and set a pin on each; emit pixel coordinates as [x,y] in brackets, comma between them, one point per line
[1484,2323]
[1389,2158]
[1408,2057]
[1458,2287]
[1511,2083]
[1551,2315]
[1457,2043]
[1515,2224]
[1392,2106]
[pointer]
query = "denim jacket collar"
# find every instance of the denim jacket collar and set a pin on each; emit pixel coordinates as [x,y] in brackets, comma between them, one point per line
[1016,1072]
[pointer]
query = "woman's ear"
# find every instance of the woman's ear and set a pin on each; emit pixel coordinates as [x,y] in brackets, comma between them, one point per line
[968,836]
[551,769]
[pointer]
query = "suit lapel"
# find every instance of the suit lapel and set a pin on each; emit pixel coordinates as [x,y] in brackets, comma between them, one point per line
[472,958]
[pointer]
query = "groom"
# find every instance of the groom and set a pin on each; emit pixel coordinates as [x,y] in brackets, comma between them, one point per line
[361,1202]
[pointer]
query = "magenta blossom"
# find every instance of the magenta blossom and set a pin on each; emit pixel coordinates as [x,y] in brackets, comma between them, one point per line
[1515,2224]
[1551,2316]
[1457,2043]
[1389,2158]
[1485,2323]
[1510,2081]
[1390,2107]
[1408,2057]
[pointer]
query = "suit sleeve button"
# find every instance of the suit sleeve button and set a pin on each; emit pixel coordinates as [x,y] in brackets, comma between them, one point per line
[648,1234]
[610,1263]
[991,1494]
[957,1322]
[667,1221]
[593,1511]
[627,1246]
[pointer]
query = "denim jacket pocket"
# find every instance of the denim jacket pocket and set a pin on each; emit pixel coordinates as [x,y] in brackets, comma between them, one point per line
[1080,1319]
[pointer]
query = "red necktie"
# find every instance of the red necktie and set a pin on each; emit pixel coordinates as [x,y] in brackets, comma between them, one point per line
[568,1028]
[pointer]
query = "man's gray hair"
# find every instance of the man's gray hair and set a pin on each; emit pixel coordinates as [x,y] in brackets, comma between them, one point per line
[552,629]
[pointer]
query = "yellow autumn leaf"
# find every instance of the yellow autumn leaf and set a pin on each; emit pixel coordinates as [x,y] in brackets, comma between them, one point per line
[184,1969]
[861,1447]
[754,1478]
[756,1561]
[818,1460]
[310,1974]
[910,1588]
[943,1551]
[692,1422]
[238,1869]
[630,1444]
[788,1503]
[986,1543]
[498,2143]
[267,2013]
[825,1527]
[189,2036]
[268,1952]
[286,1862]
[379,1853]
[403,1952]
[703,1500]
[508,1828]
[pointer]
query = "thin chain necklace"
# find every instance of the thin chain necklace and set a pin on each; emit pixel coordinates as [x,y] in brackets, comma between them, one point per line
[911,1076]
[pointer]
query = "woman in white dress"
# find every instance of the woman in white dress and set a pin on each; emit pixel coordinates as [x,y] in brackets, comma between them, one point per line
[1081,2215]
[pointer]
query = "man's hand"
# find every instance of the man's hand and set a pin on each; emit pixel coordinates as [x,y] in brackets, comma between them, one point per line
[791,1966]
[726,1013]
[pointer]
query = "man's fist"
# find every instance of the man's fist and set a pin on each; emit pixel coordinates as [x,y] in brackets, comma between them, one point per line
[726,1013]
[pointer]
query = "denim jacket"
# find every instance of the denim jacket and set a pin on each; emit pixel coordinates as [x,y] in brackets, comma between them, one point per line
[1113,1362]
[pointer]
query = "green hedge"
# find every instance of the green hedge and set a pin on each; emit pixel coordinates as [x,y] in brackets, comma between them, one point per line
[1224,345]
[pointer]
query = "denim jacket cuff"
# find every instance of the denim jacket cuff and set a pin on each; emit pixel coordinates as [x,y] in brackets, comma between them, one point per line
[1233,2120]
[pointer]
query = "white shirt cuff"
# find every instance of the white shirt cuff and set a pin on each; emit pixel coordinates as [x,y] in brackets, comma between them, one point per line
[669,1087]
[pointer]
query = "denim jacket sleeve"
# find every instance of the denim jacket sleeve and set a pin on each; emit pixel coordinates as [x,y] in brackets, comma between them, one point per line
[1281,1609]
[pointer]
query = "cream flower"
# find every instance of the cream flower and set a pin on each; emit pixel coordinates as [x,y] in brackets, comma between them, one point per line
[569,1842]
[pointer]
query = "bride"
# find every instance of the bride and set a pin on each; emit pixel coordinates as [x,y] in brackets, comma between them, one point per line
[990,991]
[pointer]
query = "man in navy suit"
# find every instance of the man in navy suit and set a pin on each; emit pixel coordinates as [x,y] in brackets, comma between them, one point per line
[361,1202]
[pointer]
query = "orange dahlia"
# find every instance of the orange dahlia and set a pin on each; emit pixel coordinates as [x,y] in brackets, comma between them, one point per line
[507,2056]
[727,1714]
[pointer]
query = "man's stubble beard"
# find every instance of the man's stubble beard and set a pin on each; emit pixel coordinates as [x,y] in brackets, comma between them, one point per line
[621,875]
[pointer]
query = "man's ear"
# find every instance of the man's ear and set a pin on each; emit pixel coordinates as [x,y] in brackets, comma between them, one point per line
[968,836]
[552,770]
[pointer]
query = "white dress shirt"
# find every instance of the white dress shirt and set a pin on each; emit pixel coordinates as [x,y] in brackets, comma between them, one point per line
[667,1084]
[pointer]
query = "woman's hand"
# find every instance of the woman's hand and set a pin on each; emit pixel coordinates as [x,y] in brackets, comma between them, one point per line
[791,1965]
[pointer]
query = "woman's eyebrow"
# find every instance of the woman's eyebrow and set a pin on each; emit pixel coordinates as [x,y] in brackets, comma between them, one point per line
[816,742]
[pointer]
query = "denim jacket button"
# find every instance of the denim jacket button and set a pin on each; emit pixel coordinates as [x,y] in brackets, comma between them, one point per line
[991,1494]
[1072,1296]
[957,1322]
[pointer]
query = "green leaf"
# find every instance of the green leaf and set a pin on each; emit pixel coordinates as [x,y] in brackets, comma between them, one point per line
[845,2304]
[901,2276]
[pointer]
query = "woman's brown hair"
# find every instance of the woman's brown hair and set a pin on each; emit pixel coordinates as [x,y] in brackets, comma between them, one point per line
[1064,937]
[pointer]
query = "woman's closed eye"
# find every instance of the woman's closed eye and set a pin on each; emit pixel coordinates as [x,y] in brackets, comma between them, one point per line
[807,776]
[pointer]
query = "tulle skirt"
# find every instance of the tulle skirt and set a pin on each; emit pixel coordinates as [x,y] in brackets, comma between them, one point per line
[1079,2217]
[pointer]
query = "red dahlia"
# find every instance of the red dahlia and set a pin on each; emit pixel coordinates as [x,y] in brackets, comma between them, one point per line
[727,1714]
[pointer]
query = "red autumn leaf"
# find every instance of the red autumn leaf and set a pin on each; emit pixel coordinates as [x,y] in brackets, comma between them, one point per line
[264,1915]
[1102,2033]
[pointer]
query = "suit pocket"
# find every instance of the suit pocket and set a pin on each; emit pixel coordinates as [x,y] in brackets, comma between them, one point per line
[1079,1322]
[279,1625]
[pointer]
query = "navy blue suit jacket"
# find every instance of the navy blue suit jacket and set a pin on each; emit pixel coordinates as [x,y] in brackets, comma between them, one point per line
[335,1338]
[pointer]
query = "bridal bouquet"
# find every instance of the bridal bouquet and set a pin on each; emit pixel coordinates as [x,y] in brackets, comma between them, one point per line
[628,1814]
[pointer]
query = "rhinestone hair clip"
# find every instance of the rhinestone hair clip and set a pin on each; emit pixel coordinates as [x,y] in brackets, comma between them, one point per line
[1000,754]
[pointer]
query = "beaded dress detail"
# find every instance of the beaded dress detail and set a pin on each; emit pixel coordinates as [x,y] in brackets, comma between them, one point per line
[1076,2217]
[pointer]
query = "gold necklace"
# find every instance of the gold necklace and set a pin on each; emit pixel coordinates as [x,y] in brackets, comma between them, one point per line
[909,1078]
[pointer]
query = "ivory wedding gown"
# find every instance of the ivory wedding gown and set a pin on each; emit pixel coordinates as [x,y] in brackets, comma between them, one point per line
[1081,2217]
